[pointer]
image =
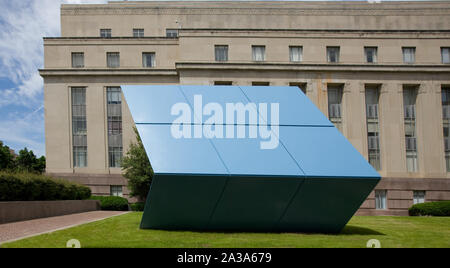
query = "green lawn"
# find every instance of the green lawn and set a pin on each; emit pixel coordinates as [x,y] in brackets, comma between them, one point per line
[123,231]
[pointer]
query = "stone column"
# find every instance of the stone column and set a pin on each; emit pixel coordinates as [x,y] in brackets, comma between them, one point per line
[430,138]
[354,115]
[392,132]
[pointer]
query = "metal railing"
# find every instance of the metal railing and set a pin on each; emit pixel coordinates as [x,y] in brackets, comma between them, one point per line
[446,111]
[410,111]
[372,110]
[411,144]
[373,143]
[334,110]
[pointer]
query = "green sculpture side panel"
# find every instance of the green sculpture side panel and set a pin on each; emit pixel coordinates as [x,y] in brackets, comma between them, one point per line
[180,202]
[253,203]
[326,204]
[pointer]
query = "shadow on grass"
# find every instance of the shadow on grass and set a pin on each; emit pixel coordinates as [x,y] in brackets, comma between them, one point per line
[348,230]
[355,230]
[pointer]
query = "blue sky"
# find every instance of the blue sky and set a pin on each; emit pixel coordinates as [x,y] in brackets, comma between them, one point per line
[22,25]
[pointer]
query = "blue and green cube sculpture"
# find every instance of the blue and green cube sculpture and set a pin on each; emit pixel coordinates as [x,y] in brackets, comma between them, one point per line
[314,180]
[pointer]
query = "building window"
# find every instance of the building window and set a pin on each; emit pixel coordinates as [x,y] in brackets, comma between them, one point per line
[77,59]
[373,135]
[223,83]
[445,54]
[259,84]
[148,59]
[105,33]
[221,52]
[409,102]
[418,197]
[333,54]
[371,54]
[258,53]
[171,33]
[113,59]
[116,190]
[334,105]
[295,53]
[79,127]
[138,32]
[445,95]
[409,54]
[301,86]
[380,199]
[114,113]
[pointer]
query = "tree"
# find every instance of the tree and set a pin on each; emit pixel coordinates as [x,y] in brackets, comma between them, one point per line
[6,158]
[137,169]
[28,162]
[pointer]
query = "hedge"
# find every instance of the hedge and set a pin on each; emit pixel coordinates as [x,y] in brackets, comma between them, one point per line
[441,208]
[115,203]
[139,206]
[34,187]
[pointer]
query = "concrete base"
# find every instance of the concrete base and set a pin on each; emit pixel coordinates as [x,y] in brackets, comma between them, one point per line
[28,210]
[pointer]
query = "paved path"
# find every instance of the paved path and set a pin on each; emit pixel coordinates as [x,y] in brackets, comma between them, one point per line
[18,230]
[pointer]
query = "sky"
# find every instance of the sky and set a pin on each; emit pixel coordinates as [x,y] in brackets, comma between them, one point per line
[23,24]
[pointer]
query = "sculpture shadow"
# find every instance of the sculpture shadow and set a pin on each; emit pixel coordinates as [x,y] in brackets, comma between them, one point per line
[348,230]
[356,230]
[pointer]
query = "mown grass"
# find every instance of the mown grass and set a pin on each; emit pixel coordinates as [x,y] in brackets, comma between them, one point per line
[123,231]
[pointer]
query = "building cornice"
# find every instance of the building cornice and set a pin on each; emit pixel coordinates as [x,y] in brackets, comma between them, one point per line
[107,72]
[57,41]
[267,66]
[260,8]
[249,66]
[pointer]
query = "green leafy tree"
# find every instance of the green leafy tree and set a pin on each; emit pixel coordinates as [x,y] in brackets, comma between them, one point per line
[6,158]
[137,169]
[28,162]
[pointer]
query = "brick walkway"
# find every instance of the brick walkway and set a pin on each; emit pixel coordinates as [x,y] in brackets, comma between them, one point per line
[18,230]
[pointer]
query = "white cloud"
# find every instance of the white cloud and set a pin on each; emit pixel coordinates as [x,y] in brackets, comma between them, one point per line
[19,131]
[23,24]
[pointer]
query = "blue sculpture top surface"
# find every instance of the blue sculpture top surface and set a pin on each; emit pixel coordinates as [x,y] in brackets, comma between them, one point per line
[237,130]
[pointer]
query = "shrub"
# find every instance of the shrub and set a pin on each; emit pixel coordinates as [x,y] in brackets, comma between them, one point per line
[115,203]
[441,208]
[34,187]
[139,206]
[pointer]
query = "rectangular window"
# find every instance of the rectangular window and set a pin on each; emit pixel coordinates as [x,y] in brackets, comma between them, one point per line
[373,135]
[445,95]
[333,54]
[335,93]
[409,103]
[114,113]
[171,33]
[138,32]
[148,59]
[223,83]
[418,197]
[79,127]
[258,53]
[380,199]
[445,54]
[295,53]
[221,52]
[301,86]
[371,54]
[105,33]
[113,59]
[77,59]
[261,84]
[116,190]
[409,54]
